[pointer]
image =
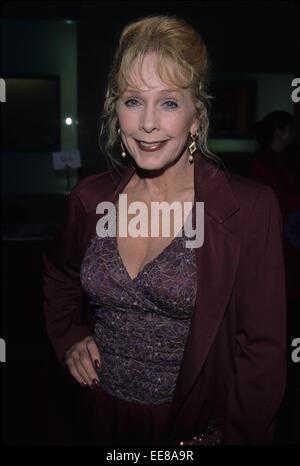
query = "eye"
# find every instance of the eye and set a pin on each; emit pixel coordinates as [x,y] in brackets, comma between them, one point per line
[170,104]
[131,103]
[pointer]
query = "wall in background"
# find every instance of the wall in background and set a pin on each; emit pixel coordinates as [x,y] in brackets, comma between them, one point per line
[242,40]
[35,48]
[273,93]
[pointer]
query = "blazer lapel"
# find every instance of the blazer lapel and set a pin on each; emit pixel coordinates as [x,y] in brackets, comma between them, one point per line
[216,261]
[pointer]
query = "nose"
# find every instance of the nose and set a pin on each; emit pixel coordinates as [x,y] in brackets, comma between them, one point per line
[149,119]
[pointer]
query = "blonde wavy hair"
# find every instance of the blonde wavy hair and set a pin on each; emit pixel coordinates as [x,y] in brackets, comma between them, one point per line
[174,42]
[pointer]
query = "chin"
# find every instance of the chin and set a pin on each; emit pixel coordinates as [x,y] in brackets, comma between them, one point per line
[151,163]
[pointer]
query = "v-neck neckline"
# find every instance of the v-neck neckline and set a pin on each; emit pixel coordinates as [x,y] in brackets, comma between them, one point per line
[149,263]
[179,234]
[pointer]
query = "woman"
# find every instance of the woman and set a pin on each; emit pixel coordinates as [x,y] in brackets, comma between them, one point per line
[185,344]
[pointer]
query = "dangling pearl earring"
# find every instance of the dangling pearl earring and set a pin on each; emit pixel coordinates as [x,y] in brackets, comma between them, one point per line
[192,148]
[123,150]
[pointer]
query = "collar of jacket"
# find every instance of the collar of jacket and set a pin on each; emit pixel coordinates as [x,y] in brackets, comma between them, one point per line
[211,187]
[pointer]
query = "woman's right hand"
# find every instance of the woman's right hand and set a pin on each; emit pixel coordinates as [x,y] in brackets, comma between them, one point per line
[81,360]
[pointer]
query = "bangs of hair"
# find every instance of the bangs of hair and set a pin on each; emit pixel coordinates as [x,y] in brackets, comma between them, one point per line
[168,68]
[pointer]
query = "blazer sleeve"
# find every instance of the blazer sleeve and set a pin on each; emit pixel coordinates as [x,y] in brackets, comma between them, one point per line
[259,378]
[61,282]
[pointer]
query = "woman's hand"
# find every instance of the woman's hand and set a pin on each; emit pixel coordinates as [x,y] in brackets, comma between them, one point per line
[81,360]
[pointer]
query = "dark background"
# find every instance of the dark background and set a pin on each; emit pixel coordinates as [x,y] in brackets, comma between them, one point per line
[38,401]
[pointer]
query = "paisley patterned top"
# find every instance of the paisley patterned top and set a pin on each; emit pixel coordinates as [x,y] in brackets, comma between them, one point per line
[141,323]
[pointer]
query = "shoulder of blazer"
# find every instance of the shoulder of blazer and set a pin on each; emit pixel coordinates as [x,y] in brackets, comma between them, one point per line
[247,190]
[225,193]
[93,183]
[96,188]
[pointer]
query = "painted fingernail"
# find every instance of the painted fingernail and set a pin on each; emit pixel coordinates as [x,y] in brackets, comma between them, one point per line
[97,363]
[96,382]
[84,383]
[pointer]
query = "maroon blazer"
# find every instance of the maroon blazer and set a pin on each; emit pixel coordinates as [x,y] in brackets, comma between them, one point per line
[234,364]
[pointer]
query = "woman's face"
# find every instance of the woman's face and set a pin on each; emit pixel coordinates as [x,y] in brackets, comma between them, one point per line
[155,119]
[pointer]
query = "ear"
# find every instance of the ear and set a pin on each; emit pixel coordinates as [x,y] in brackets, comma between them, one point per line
[195,126]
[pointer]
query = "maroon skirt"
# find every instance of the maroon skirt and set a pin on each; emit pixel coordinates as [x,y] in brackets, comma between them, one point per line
[115,422]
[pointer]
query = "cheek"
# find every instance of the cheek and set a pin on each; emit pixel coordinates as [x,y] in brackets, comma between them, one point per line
[176,125]
[127,119]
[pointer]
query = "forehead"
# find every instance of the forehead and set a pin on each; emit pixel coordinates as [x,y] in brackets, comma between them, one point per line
[145,75]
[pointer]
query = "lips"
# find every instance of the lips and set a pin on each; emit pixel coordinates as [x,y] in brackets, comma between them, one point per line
[151,146]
